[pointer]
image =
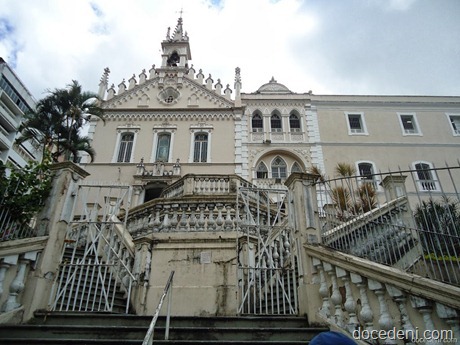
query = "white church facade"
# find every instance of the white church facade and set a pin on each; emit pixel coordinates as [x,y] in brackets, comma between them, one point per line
[173,120]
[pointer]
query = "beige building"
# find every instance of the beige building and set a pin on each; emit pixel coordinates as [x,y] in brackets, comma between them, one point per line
[15,101]
[173,120]
[221,201]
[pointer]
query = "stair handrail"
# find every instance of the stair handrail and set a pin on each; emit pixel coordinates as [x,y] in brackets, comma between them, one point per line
[148,339]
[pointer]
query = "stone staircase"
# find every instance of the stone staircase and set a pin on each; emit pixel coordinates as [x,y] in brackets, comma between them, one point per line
[83,294]
[102,328]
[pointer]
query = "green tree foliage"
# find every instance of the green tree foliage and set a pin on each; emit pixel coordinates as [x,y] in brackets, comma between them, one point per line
[439,222]
[24,192]
[58,120]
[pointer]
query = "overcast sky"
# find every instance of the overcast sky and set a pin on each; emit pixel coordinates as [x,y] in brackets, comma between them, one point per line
[328,46]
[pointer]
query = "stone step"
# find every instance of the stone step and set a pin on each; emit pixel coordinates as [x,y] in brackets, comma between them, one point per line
[105,328]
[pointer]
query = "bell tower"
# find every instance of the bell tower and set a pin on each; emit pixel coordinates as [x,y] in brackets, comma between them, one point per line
[176,48]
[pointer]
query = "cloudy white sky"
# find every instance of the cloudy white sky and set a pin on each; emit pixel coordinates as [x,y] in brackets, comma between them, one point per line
[330,47]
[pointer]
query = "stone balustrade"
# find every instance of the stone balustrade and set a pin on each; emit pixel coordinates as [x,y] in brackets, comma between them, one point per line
[363,298]
[209,185]
[13,279]
[195,214]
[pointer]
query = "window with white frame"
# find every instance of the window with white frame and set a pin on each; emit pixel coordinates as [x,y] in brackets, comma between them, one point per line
[366,172]
[125,148]
[294,122]
[426,176]
[257,123]
[454,120]
[275,123]
[163,147]
[262,171]
[409,124]
[279,168]
[356,124]
[200,152]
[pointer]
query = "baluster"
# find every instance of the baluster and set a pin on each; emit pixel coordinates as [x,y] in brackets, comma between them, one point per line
[151,222]
[366,315]
[206,185]
[174,220]
[228,219]
[16,286]
[350,304]
[450,316]
[219,219]
[6,263]
[166,222]
[385,320]
[287,248]
[211,222]
[425,308]
[157,222]
[400,298]
[192,220]
[336,296]
[325,310]
[201,220]
[275,255]
[183,218]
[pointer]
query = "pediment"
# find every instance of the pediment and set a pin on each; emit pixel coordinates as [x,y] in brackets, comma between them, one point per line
[170,92]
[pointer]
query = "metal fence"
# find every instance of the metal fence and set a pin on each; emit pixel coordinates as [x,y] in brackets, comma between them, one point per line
[10,227]
[408,219]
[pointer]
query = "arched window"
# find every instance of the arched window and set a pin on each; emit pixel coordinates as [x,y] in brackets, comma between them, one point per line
[294,123]
[257,123]
[296,168]
[163,144]
[125,148]
[426,176]
[275,123]
[200,152]
[262,171]
[279,168]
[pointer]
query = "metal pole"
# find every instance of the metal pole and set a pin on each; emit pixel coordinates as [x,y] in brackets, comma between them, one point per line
[168,315]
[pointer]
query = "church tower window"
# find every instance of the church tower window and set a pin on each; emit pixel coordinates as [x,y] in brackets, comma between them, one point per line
[173,60]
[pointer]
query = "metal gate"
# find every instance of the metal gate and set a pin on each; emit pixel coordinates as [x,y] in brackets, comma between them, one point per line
[267,274]
[95,273]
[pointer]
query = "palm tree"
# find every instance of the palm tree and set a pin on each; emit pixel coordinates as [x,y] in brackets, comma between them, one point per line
[42,126]
[58,120]
[76,106]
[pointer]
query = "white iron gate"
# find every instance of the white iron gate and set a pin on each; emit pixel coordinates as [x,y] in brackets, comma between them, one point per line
[96,268]
[267,275]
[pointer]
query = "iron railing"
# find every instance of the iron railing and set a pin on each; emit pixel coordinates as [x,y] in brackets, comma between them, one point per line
[148,340]
[11,229]
[404,221]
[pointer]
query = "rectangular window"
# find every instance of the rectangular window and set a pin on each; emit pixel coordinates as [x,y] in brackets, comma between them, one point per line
[426,177]
[163,144]
[356,125]
[200,153]
[409,124]
[126,147]
[455,124]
